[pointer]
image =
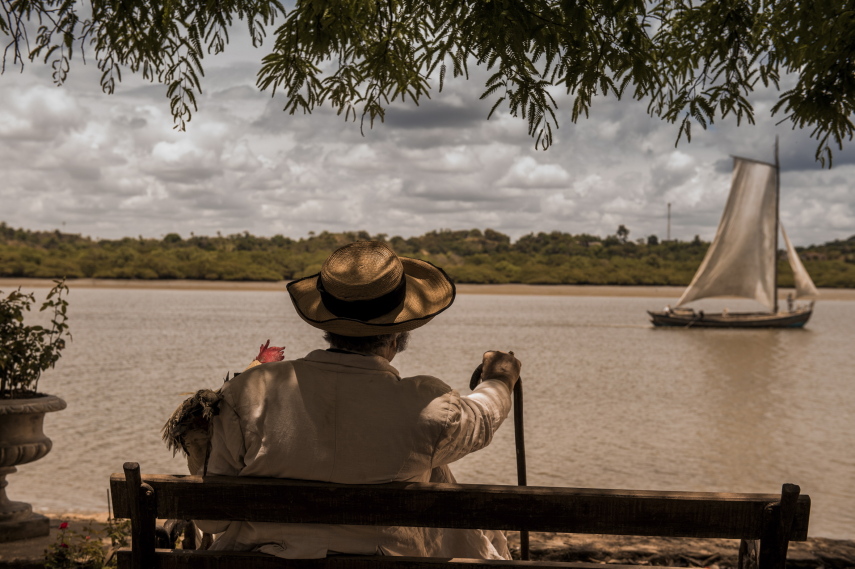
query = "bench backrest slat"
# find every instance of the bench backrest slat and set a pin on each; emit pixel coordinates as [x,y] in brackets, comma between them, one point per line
[616,512]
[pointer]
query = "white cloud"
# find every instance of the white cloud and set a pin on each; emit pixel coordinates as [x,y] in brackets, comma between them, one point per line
[355,157]
[239,157]
[39,113]
[449,159]
[840,216]
[584,186]
[558,203]
[176,152]
[113,166]
[526,172]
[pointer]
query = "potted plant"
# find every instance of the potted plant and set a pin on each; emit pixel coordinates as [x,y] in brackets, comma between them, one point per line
[25,352]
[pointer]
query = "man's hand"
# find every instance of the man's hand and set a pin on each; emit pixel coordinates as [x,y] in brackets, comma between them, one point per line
[502,366]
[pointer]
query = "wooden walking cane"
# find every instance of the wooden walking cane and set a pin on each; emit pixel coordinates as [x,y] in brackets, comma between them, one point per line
[519,440]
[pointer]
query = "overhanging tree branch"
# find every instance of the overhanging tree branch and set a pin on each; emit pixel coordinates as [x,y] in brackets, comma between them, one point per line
[694,62]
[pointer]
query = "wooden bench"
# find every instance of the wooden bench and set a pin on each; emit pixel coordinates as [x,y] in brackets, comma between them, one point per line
[772,519]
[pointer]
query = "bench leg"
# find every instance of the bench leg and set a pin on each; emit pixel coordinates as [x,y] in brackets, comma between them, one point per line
[143,523]
[748,554]
[776,532]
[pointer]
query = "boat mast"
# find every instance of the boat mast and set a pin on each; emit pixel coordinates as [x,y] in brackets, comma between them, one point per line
[777,221]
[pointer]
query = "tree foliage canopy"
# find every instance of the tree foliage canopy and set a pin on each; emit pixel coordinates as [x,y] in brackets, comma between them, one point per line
[692,62]
[467,255]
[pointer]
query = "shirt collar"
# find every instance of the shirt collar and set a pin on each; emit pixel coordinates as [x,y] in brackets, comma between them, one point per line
[361,361]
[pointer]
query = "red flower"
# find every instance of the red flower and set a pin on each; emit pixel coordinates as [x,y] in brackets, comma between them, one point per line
[65,545]
[63,525]
[268,353]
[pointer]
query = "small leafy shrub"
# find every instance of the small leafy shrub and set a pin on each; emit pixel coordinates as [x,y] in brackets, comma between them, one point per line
[26,351]
[90,549]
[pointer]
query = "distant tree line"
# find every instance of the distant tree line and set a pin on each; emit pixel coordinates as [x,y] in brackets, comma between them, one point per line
[469,256]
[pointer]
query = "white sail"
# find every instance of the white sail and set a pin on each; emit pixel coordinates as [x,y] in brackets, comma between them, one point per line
[741,260]
[804,284]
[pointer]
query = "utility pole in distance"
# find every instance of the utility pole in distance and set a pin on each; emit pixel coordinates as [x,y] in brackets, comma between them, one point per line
[669,222]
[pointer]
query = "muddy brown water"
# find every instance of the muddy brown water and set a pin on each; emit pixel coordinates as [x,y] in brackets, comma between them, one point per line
[610,401]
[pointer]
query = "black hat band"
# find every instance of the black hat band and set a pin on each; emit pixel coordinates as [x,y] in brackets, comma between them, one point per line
[363,310]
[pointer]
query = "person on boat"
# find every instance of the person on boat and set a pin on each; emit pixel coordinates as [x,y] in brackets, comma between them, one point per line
[790,302]
[346,415]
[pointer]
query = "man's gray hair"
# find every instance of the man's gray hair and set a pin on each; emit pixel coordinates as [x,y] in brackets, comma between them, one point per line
[367,344]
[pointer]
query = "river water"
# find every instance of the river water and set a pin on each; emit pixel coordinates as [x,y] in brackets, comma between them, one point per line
[610,401]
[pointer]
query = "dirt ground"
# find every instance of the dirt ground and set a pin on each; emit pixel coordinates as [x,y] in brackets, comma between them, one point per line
[815,553]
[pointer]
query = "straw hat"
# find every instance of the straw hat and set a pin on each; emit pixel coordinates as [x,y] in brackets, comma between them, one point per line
[365,289]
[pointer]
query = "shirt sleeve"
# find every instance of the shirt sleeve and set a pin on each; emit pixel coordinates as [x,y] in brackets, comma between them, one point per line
[227,452]
[472,420]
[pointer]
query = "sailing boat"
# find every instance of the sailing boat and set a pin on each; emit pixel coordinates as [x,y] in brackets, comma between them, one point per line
[742,260]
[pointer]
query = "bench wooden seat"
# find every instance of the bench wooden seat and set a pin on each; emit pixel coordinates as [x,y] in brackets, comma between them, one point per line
[771,519]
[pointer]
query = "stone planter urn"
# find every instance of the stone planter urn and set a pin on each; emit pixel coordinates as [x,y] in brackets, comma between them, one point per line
[22,440]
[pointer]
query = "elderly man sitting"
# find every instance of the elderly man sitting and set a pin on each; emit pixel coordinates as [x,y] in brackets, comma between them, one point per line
[346,415]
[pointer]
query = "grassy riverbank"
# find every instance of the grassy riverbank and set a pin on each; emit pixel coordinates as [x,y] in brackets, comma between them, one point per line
[469,256]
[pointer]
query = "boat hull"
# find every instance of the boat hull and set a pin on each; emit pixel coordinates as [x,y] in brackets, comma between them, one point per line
[691,319]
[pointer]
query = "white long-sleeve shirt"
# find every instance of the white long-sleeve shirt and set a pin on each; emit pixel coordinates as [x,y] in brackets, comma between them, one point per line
[351,419]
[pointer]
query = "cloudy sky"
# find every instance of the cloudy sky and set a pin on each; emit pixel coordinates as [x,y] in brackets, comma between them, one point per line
[111,166]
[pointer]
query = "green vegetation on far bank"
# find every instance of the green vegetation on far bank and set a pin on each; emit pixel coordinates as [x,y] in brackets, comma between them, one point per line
[469,256]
